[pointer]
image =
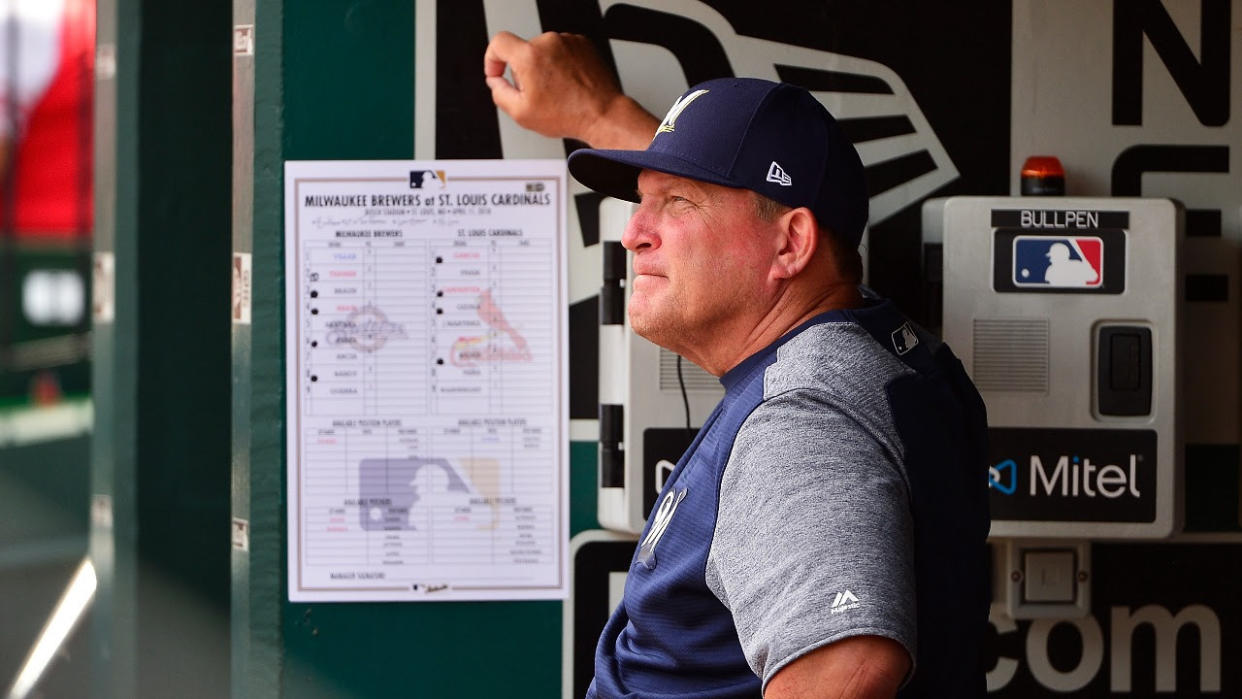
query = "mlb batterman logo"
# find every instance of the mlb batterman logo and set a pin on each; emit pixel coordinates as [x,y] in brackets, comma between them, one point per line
[420,177]
[904,339]
[1061,262]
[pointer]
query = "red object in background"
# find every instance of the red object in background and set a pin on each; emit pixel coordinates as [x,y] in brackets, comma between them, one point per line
[45,389]
[1042,175]
[54,176]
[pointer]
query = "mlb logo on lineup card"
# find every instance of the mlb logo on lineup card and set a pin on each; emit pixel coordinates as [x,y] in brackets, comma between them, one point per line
[1062,262]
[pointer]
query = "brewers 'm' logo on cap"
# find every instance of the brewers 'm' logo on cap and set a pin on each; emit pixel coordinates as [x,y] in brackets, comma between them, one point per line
[674,111]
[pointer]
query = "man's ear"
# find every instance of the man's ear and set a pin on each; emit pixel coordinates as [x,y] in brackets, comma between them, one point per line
[799,240]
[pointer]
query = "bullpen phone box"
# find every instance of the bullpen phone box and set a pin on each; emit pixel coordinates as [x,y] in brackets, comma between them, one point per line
[1064,311]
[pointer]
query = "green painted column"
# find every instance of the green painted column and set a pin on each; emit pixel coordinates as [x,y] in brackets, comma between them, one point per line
[335,80]
[257,404]
[159,459]
[113,539]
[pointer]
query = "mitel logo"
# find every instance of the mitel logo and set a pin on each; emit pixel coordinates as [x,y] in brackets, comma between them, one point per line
[1004,477]
[1056,474]
[1074,477]
[1062,262]
[1069,477]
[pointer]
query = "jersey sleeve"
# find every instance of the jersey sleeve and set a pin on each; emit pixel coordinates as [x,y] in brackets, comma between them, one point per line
[813,540]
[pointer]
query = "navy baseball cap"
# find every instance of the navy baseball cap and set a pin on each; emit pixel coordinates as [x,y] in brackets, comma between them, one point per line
[771,138]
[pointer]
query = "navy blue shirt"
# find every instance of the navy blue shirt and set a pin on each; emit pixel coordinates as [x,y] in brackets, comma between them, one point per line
[838,489]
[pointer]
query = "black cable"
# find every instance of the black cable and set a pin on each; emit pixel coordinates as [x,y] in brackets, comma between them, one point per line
[684,398]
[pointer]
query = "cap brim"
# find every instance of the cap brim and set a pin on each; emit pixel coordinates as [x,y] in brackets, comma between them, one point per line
[615,172]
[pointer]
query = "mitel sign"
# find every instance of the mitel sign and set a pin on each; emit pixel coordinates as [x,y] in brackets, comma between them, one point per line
[1072,475]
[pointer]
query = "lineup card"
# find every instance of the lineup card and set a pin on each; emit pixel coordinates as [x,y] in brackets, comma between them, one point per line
[427,381]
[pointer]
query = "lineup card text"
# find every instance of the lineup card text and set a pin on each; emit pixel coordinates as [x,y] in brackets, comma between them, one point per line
[427,402]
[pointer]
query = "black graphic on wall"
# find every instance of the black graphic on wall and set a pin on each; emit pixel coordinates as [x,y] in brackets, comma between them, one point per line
[697,50]
[962,87]
[1128,170]
[1204,82]
[1165,621]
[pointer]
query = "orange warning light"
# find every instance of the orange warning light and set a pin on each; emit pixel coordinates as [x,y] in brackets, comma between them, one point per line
[1042,175]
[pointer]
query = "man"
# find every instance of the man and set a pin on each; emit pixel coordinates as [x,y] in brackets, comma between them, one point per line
[824,536]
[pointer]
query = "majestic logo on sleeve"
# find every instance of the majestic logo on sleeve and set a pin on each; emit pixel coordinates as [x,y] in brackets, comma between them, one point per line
[1069,262]
[843,602]
[670,119]
[659,524]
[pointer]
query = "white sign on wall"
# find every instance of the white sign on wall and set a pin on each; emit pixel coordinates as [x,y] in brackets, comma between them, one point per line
[425,339]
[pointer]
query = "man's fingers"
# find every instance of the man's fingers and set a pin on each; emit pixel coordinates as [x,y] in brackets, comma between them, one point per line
[501,85]
[504,95]
[493,67]
[500,52]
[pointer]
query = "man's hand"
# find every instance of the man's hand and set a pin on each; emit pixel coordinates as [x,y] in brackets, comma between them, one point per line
[858,667]
[562,89]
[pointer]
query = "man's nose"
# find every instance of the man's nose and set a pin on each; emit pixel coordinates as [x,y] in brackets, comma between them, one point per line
[638,233]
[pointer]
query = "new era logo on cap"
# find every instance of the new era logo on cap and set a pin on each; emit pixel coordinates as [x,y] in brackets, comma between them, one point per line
[777,174]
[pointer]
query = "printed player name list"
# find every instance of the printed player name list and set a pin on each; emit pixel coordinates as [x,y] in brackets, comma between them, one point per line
[427,414]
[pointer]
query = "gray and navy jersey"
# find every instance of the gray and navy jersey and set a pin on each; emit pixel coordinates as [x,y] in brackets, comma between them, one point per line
[838,489]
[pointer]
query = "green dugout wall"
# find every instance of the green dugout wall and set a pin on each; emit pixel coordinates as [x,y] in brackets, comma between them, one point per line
[193,128]
[159,453]
[335,80]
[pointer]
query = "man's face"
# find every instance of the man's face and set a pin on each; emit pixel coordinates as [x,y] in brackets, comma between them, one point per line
[702,259]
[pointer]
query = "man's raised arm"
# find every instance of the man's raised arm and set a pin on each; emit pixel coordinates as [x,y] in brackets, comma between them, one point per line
[562,89]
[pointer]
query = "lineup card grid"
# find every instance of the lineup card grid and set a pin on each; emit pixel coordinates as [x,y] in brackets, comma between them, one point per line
[426,328]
